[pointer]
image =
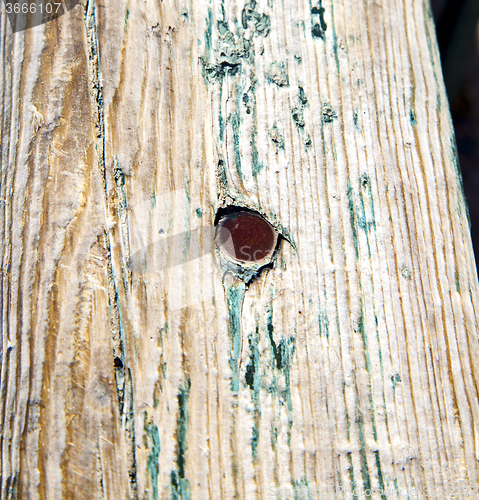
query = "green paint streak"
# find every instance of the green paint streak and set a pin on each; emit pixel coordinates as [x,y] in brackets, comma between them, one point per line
[253,380]
[380,476]
[355,121]
[153,200]
[364,462]
[163,332]
[353,222]
[123,215]
[459,181]
[199,213]
[301,489]
[287,351]
[351,476]
[274,437]
[221,120]
[364,337]
[323,322]
[209,33]
[251,107]
[412,117]
[458,285]
[275,351]
[282,355]
[235,123]
[335,39]
[180,486]
[365,183]
[127,15]
[397,486]
[395,379]
[348,426]
[257,165]
[152,441]
[235,296]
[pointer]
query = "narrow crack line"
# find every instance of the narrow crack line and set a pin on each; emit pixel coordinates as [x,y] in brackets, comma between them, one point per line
[123,377]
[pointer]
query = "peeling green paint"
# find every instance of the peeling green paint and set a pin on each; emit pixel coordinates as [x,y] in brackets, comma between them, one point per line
[395,379]
[277,74]
[405,273]
[308,143]
[298,109]
[223,179]
[277,138]
[328,113]
[318,24]
[233,48]
[303,100]
[298,116]
[260,23]
[199,213]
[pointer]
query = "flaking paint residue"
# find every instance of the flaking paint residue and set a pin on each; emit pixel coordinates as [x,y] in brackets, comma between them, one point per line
[277,74]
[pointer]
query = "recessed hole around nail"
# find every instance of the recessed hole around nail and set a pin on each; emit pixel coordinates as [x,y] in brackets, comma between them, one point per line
[245,236]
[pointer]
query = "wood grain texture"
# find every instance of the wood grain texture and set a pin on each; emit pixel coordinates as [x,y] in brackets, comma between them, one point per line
[132,366]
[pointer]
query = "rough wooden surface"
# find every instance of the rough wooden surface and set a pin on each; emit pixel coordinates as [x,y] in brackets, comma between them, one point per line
[130,366]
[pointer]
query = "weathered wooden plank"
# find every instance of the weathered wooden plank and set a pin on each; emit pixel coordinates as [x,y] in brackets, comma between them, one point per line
[133,365]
